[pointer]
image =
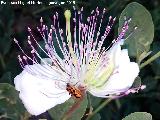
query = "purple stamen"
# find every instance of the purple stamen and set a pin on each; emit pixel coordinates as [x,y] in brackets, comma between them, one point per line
[82,50]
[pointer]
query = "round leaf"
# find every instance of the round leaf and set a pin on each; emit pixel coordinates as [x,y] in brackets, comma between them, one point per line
[137,40]
[138,116]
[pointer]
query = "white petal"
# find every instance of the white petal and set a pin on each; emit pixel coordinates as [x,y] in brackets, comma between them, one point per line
[122,58]
[118,54]
[39,95]
[121,81]
[45,71]
[115,51]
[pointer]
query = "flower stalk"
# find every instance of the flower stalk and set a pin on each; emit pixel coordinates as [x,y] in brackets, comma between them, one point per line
[107,101]
[2,61]
[150,60]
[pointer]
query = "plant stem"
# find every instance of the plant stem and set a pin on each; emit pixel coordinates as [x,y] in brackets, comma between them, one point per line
[118,103]
[157,77]
[99,108]
[2,62]
[150,60]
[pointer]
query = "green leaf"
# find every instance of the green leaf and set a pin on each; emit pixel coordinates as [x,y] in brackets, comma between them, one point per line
[138,116]
[63,108]
[95,101]
[96,117]
[10,105]
[137,82]
[5,44]
[137,40]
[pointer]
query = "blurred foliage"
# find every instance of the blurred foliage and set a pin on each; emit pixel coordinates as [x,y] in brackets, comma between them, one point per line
[11,107]
[14,20]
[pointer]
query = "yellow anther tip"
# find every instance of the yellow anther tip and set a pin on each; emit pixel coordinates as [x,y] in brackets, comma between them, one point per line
[67,14]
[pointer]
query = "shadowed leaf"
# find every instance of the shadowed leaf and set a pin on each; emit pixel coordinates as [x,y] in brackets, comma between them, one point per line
[63,108]
[137,82]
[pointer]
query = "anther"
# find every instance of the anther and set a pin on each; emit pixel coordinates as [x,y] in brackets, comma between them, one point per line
[29,42]
[74,8]
[41,19]
[32,51]
[104,10]
[29,37]
[15,40]
[19,58]
[143,87]
[50,30]
[29,29]
[82,9]
[24,57]
[114,18]
[110,17]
